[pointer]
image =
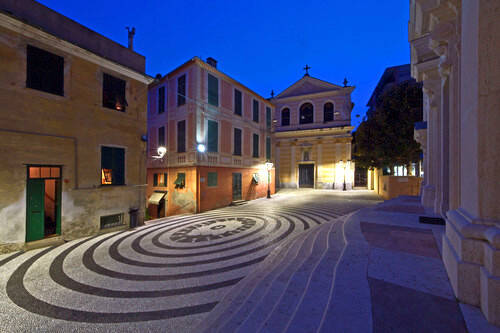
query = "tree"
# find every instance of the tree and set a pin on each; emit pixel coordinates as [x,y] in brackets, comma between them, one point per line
[385,137]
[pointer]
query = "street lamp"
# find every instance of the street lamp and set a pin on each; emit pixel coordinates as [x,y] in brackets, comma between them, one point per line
[269,166]
[346,166]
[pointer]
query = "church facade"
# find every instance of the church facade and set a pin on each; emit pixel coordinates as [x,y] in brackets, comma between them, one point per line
[312,130]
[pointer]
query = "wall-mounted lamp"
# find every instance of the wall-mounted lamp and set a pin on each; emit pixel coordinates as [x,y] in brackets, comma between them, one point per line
[201,147]
[161,151]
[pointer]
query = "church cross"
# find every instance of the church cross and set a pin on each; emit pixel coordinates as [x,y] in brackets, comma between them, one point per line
[307,68]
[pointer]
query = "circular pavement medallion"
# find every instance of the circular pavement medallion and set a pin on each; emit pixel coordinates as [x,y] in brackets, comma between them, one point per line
[215,229]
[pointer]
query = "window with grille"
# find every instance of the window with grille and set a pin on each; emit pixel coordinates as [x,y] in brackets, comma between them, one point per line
[111,221]
[44,71]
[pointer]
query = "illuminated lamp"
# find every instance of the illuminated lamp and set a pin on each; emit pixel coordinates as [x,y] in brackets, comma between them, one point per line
[201,147]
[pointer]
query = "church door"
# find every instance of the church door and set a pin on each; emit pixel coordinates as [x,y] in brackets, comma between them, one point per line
[306,175]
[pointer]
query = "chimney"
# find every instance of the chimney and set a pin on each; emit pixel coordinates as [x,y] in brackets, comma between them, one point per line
[131,33]
[212,62]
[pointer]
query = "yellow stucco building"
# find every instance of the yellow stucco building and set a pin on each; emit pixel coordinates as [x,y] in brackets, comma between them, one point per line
[72,162]
[313,135]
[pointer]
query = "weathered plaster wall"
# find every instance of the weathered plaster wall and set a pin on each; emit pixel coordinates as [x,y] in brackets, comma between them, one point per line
[46,129]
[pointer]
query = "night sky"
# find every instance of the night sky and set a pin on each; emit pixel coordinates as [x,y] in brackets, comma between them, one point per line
[262,44]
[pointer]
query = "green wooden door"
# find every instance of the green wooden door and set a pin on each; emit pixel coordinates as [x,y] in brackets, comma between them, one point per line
[35,218]
[236,186]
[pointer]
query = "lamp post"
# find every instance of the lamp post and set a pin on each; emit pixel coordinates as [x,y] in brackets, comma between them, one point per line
[269,166]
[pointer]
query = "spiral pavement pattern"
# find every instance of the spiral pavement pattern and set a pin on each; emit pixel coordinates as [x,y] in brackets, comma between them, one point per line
[165,276]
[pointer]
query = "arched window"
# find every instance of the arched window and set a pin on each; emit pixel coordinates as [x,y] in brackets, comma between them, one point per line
[285,117]
[306,114]
[328,112]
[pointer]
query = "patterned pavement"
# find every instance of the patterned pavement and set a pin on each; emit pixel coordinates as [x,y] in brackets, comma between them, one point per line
[165,276]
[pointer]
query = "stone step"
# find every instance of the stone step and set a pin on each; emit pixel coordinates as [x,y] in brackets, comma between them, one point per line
[238,202]
[260,296]
[290,299]
[315,300]
[232,301]
[290,291]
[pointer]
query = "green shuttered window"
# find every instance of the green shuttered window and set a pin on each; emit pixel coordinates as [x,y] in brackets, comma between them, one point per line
[255,146]
[268,117]
[256,111]
[181,90]
[213,136]
[237,142]
[181,136]
[238,102]
[212,179]
[213,90]
[268,148]
[161,100]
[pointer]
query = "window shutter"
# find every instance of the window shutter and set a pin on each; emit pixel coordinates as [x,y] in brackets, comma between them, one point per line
[256,145]
[256,111]
[181,136]
[161,136]
[213,136]
[106,158]
[268,117]
[285,117]
[268,148]
[237,142]
[212,179]
[118,166]
[237,102]
[161,100]
[181,90]
[213,90]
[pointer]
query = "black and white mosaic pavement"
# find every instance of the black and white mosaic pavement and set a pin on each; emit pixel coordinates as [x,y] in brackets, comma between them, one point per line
[164,276]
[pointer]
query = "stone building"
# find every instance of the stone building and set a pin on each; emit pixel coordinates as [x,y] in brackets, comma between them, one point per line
[455,52]
[216,135]
[72,162]
[313,135]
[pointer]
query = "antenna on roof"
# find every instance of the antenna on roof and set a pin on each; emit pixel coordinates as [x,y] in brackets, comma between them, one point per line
[131,33]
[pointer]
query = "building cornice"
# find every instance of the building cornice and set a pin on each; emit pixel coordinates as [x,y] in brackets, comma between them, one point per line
[340,92]
[32,32]
[344,131]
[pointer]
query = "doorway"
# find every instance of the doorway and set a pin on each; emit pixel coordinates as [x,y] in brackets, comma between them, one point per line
[236,186]
[43,195]
[306,175]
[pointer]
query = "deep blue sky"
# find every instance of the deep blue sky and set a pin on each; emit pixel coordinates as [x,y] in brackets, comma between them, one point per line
[262,44]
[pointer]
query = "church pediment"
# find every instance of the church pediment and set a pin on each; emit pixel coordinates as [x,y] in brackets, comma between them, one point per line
[308,85]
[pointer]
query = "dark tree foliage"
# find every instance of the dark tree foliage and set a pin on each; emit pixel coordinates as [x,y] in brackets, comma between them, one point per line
[385,137]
